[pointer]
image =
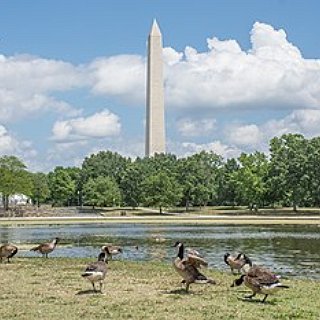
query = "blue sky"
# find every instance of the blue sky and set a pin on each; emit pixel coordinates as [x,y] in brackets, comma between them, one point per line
[72,76]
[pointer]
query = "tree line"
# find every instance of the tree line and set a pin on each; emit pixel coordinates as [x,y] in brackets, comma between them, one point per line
[289,175]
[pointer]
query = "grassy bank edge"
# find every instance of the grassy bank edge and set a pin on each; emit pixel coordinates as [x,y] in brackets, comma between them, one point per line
[53,289]
[271,220]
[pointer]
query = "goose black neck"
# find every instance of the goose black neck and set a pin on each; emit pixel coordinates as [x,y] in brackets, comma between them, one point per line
[181,251]
[239,281]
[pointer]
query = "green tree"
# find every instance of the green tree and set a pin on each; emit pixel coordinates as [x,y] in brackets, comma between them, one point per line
[161,190]
[40,188]
[62,186]
[249,179]
[313,171]
[131,184]
[104,164]
[14,178]
[288,167]
[199,176]
[102,191]
[227,192]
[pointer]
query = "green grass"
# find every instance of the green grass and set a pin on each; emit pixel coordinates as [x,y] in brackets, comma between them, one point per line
[36,288]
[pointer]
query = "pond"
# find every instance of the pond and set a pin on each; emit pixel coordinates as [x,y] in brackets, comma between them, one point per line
[290,250]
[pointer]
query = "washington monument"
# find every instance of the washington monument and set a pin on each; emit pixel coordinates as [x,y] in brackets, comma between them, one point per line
[155,131]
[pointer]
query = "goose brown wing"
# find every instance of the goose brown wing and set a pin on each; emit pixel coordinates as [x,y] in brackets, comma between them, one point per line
[262,276]
[98,266]
[196,261]
[192,270]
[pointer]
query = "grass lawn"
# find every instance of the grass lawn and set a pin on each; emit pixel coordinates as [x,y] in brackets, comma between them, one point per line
[37,288]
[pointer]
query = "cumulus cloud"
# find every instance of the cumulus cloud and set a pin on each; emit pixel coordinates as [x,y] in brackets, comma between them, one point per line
[122,76]
[304,121]
[10,145]
[251,137]
[99,125]
[192,128]
[272,73]
[217,147]
[244,135]
[27,85]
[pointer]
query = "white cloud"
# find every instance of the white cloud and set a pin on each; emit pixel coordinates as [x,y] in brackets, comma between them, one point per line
[272,73]
[216,146]
[10,145]
[252,137]
[27,85]
[244,135]
[304,121]
[194,128]
[122,76]
[171,56]
[99,125]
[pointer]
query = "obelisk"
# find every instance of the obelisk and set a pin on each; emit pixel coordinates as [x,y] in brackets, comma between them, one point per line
[155,130]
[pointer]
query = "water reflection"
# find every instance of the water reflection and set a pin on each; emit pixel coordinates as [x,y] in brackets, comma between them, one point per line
[289,250]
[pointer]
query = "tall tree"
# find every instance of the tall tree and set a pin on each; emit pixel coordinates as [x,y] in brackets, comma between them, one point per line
[62,186]
[198,176]
[249,179]
[14,178]
[104,164]
[102,191]
[289,163]
[40,188]
[313,171]
[161,190]
[227,192]
[131,183]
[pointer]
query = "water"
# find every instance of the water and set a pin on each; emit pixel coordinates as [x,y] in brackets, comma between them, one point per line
[290,250]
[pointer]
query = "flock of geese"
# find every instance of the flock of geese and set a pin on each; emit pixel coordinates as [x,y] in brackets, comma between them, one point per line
[187,264]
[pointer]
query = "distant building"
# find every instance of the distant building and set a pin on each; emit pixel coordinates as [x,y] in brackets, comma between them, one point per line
[17,199]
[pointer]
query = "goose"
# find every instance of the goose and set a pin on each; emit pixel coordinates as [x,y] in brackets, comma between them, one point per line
[188,267]
[261,281]
[237,262]
[46,248]
[111,250]
[8,251]
[96,271]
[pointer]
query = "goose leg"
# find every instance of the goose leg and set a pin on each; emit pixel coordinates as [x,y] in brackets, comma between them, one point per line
[94,288]
[265,297]
[187,287]
[101,286]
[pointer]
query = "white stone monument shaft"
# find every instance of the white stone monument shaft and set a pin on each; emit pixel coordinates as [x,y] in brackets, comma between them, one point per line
[155,128]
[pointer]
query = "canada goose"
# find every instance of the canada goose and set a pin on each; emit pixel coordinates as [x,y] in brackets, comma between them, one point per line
[7,251]
[96,271]
[111,250]
[46,248]
[188,267]
[260,280]
[237,262]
